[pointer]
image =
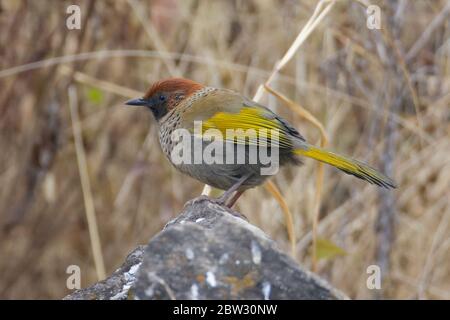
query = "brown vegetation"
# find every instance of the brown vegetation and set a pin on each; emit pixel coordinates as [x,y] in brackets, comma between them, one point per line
[381,95]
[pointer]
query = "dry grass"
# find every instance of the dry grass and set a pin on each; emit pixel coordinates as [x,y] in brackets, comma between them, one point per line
[381,96]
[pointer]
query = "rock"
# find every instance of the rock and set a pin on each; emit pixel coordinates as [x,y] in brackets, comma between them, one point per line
[209,252]
[116,286]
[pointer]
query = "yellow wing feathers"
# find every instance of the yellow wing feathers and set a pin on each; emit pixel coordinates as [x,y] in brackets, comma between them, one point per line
[251,125]
[350,166]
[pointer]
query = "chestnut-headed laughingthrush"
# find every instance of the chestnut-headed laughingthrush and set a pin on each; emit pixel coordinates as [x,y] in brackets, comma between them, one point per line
[178,103]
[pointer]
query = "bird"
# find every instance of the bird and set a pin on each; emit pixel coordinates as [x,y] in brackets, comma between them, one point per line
[179,104]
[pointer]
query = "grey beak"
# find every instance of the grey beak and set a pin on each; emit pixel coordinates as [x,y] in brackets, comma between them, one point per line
[137,102]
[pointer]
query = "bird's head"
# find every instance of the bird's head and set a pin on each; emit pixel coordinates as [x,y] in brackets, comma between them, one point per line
[165,95]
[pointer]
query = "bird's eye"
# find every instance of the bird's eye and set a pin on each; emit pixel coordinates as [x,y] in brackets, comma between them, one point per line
[162,98]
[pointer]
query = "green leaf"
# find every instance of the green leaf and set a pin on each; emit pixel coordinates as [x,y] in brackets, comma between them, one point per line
[326,249]
[95,96]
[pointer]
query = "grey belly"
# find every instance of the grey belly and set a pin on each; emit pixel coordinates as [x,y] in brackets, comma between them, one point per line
[225,164]
[223,176]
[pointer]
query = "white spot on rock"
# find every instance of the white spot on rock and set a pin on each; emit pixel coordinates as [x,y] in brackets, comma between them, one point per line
[122,294]
[256,253]
[199,220]
[266,290]
[194,292]
[223,258]
[130,277]
[149,291]
[189,254]
[211,279]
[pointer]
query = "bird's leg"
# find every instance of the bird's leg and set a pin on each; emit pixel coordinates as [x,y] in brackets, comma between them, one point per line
[235,197]
[227,194]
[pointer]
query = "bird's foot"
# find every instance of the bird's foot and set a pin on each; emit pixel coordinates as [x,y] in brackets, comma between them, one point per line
[224,202]
[199,199]
[221,201]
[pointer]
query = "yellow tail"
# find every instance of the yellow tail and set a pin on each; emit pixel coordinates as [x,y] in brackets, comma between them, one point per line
[350,166]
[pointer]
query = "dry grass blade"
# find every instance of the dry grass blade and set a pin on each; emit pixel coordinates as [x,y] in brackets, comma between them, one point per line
[154,36]
[302,112]
[273,189]
[312,23]
[438,237]
[427,34]
[86,187]
[101,84]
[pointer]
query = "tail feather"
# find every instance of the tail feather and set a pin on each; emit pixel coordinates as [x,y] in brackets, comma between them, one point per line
[349,166]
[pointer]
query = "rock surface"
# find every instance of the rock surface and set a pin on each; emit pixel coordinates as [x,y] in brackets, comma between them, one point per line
[117,286]
[209,252]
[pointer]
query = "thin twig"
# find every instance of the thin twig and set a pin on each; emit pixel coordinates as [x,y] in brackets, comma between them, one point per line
[301,37]
[275,192]
[101,84]
[302,112]
[153,35]
[438,237]
[85,186]
[427,34]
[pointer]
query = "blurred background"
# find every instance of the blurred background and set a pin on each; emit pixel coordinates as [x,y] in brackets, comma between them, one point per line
[382,95]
